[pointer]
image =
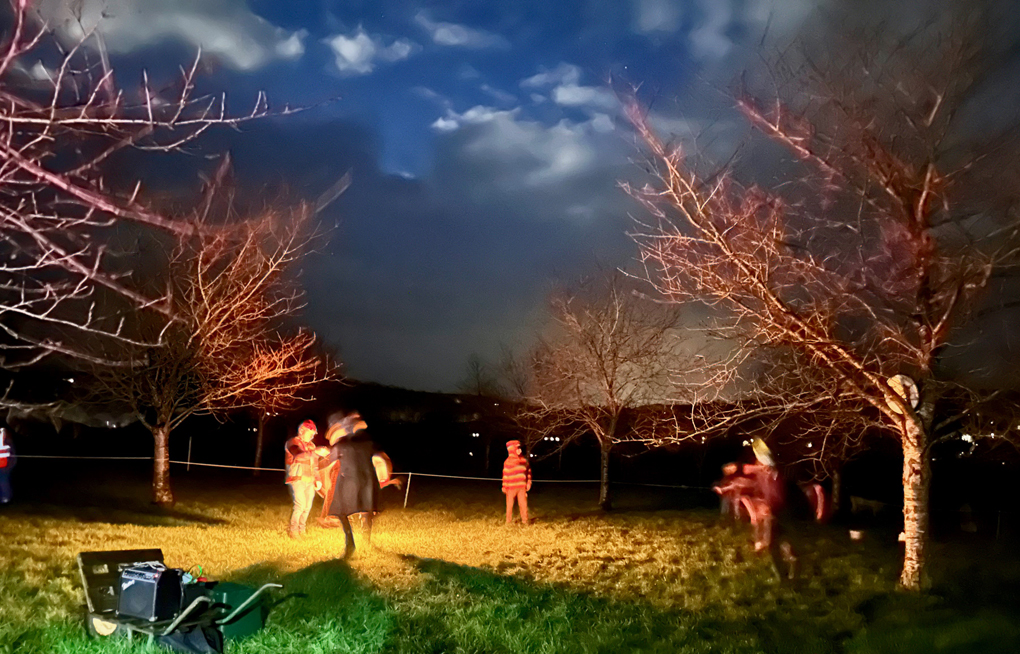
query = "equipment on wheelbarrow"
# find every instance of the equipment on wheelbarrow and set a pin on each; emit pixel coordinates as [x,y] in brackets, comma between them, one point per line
[132,592]
[150,591]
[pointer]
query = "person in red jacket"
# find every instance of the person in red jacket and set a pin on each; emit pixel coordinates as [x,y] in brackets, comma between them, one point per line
[302,462]
[516,481]
[7,461]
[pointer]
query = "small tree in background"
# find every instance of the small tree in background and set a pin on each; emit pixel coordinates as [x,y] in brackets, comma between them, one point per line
[479,379]
[608,351]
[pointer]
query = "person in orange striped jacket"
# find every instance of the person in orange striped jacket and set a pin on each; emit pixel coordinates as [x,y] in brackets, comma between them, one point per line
[516,481]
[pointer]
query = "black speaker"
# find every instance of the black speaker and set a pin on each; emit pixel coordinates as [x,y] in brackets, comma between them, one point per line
[150,592]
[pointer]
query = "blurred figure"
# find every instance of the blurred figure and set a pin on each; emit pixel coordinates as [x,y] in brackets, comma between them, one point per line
[7,460]
[516,481]
[732,485]
[301,457]
[384,471]
[818,500]
[355,485]
[765,502]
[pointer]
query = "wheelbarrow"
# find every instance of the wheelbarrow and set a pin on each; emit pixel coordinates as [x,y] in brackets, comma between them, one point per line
[208,606]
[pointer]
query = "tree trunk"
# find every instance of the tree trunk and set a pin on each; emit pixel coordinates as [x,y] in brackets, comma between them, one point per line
[162,493]
[605,499]
[916,484]
[836,498]
[259,441]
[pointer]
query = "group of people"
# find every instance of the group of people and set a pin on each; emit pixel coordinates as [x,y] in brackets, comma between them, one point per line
[347,474]
[756,492]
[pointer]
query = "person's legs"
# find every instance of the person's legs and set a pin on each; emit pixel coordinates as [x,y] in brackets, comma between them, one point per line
[327,499]
[5,487]
[766,525]
[522,504]
[752,514]
[784,559]
[303,504]
[348,536]
[509,506]
[366,523]
[295,509]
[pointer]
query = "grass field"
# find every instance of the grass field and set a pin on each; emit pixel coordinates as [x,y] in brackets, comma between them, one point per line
[660,574]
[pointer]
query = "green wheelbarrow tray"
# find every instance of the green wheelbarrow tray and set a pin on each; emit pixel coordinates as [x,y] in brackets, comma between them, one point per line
[246,617]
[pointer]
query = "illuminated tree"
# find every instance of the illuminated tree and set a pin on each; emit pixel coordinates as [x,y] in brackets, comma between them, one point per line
[230,346]
[64,289]
[888,214]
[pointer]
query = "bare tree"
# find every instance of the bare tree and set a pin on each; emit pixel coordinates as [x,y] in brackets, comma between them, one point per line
[62,120]
[230,346]
[479,380]
[853,267]
[512,373]
[609,350]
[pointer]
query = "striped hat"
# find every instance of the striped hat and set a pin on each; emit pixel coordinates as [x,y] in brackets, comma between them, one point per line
[512,445]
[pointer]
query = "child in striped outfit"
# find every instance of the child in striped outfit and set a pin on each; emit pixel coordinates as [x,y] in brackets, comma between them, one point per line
[516,481]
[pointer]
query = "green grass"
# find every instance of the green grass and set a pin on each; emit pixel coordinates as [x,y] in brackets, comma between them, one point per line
[445,575]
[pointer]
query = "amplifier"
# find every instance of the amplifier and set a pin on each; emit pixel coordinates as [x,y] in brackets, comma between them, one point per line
[150,591]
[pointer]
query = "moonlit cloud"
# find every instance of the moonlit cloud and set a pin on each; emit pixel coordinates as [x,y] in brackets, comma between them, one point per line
[453,34]
[226,29]
[543,155]
[498,95]
[359,53]
[657,16]
[473,116]
[564,73]
[710,39]
[563,88]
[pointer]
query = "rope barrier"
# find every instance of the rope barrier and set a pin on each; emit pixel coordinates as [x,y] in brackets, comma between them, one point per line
[409,474]
[86,458]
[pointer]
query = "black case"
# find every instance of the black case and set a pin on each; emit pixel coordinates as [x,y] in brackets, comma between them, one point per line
[150,592]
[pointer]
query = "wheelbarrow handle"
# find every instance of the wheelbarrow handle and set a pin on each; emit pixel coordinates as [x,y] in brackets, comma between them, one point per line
[244,605]
[170,628]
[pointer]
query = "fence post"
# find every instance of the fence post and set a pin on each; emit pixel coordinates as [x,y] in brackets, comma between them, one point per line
[408,489]
[188,468]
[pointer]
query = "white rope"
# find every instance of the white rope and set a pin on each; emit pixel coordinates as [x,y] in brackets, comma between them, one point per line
[86,458]
[420,474]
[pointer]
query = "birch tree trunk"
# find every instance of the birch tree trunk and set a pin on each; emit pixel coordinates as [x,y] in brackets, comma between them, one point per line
[916,486]
[162,493]
[836,499]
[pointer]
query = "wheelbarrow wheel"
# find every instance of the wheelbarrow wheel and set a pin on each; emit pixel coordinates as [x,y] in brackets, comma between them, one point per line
[97,627]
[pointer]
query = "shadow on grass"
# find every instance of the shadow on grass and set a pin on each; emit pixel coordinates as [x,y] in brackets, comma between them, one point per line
[467,609]
[102,494]
[109,510]
[973,606]
[323,608]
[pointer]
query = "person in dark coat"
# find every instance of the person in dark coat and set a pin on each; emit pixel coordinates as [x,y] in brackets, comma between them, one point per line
[355,485]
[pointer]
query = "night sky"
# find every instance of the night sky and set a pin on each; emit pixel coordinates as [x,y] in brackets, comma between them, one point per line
[484,141]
